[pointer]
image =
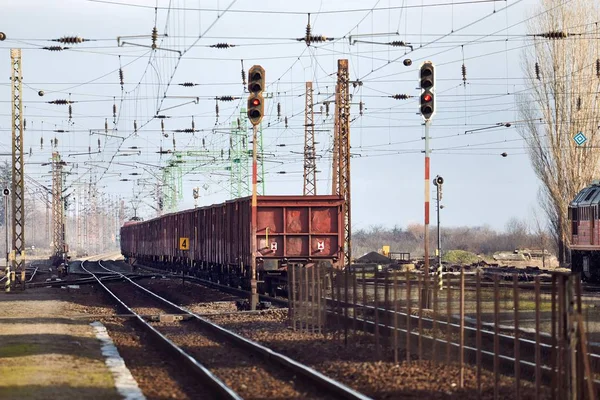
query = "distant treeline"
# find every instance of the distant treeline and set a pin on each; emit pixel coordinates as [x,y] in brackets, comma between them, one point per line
[477,239]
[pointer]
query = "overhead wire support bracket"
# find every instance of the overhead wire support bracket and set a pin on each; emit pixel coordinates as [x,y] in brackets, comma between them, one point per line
[371,35]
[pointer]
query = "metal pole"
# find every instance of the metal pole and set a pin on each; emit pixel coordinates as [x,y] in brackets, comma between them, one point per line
[253,228]
[7,269]
[426,244]
[439,239]
[18,174]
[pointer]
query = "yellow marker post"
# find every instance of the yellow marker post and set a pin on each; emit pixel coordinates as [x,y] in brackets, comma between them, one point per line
[184,243]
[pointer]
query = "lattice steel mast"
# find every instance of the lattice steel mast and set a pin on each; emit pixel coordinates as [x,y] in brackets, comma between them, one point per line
[18,175]
[310,162]
[58,205]
[239,156]
[343,146]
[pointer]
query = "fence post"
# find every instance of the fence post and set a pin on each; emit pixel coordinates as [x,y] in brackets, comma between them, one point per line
[538,357]
[346,305]
[292,290]
[517,339]
[408,315]
[478,330]
[376,301]
[496,338]
[395,299]
[462,327]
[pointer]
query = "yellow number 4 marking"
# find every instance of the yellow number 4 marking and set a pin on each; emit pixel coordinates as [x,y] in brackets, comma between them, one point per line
[184,243]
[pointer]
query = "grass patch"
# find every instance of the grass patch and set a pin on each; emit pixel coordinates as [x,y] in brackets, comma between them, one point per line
[19,349]
[460,257]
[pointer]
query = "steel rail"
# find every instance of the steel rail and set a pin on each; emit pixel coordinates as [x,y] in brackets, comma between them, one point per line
[221,388]
[219,286]
[314,376]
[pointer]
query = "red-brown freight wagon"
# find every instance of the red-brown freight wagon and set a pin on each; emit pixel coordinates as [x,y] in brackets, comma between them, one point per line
[214,242]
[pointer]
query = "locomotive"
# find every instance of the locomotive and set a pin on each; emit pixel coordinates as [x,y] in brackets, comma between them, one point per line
[585,232]
[214,242]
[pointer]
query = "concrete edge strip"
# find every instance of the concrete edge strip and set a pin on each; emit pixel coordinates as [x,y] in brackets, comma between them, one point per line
[125,383]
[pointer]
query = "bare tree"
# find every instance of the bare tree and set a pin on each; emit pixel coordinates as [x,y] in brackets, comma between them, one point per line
[561,101]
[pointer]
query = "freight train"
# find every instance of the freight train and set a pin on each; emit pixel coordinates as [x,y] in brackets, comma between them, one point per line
[214,242]
[585,232]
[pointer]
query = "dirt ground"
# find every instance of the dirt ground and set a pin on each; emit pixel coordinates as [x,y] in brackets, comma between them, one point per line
[46,355]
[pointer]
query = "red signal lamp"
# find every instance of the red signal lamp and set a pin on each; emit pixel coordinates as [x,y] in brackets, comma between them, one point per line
[255,102]
[427,97]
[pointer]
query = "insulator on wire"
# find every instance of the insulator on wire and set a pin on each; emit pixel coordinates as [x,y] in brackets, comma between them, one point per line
[203,142]
[134,126]
[308,30]
[327,109]
[114,110]
[121,77]
[400,43]
[553,35]
[221,45]
[173,142]
[227,98]
[30,151]
[537,71]
[243,74]
[360,107]
[188,84]
[222,153]
[239,123]
[55,48]
[217,109]
[356,83]
[41,143]
[598,68]
[400,97]
[70,40]
[463,70]
[193,125]
[579,103]
[105,125]
[61,102]
[278,110]
[154,37]
[286,121]
[70,112]
[99,144]
[89,149]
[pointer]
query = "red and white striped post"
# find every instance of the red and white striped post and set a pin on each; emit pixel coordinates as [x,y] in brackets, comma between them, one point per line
[427,197]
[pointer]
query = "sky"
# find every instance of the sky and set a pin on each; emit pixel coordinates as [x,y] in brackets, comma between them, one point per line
[124,161]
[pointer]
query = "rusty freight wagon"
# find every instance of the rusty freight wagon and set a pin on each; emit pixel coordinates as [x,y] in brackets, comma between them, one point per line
[214,242]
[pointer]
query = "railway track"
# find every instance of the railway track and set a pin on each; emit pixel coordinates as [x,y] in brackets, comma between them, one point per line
[496,347]
[244,369]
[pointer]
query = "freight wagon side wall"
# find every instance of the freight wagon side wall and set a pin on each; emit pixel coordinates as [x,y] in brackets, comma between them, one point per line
[299,228]
[289,228]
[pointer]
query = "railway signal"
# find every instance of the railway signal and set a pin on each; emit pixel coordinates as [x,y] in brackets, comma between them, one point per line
[256,108]
[427,84]
[256,85]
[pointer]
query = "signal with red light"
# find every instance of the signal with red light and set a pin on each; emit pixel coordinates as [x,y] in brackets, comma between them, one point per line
[256,85]
[427,84]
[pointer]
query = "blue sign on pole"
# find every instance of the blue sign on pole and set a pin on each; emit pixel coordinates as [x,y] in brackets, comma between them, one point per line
[580,138]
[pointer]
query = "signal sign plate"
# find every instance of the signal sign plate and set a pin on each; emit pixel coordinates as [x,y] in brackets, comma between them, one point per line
[320,245]
[184,243]
[580,138]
